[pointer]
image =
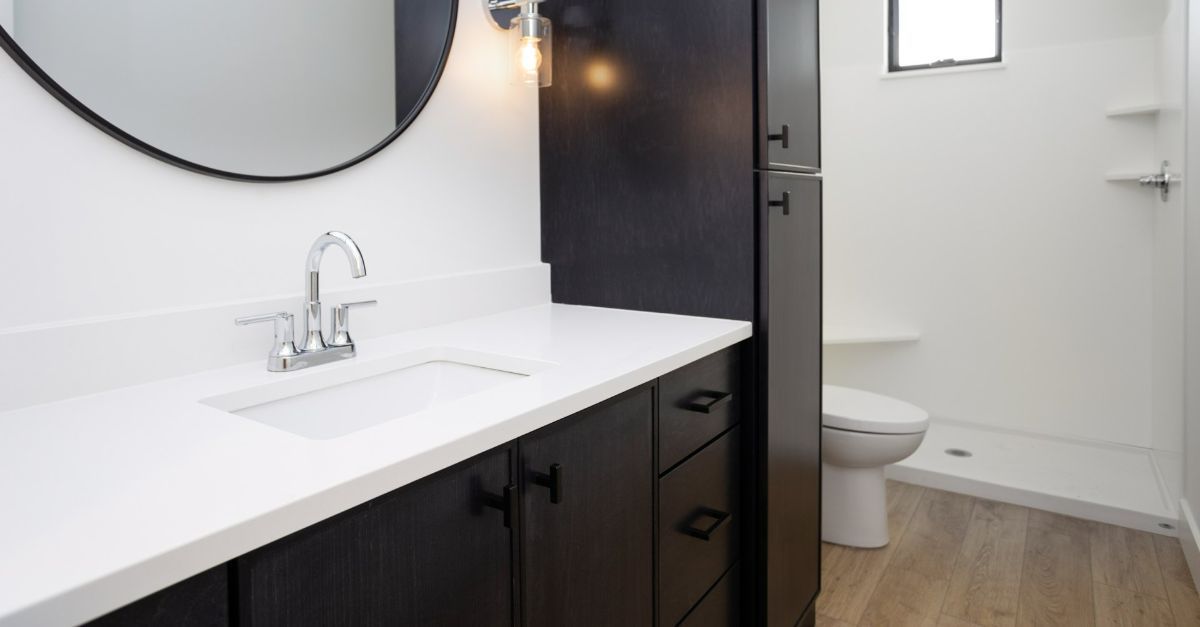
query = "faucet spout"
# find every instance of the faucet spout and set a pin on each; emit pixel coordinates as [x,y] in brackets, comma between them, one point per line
[313,337]
[358,266]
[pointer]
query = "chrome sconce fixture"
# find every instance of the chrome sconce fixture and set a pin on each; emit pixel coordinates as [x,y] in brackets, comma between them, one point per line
[530,56]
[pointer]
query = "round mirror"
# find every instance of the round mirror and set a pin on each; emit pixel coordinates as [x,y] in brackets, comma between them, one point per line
[269,90]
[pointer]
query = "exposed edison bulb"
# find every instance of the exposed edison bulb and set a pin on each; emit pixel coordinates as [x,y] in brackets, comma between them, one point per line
[529,57]
[531,48]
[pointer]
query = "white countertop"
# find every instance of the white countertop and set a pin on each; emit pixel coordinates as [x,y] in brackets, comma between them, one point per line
[110,497]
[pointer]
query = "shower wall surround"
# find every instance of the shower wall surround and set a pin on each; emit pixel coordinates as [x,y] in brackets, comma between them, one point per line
[1170,126]
[1189,528]
[103,239]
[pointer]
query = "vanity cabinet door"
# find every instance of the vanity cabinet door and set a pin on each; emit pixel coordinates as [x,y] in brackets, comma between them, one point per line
[788,42]
[198,601]
[433,553]
[588,517]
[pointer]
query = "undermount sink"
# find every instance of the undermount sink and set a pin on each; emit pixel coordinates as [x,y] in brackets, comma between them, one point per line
[340,401]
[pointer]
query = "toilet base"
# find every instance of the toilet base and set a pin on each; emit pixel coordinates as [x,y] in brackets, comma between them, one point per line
[854,506]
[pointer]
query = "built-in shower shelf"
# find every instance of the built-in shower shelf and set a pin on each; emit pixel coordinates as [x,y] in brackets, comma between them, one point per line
[869,336]
[1135,110]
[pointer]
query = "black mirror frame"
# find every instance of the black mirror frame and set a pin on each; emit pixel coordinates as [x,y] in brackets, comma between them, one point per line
[14,50]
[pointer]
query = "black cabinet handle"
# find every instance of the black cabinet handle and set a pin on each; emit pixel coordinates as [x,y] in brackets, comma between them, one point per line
[786,203]
[554,481]
[506,503]
[719,519]
[707,402]
[783,136]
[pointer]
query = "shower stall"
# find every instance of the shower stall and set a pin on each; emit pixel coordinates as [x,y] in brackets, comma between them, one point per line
[1000,251]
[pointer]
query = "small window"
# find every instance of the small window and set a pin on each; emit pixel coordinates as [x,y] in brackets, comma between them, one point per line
[925,34]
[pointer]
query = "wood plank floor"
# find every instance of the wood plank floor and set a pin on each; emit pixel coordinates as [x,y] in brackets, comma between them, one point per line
[958,561]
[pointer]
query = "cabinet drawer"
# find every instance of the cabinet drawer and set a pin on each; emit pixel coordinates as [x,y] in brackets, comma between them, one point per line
[698,525]
[721,607]
[697,403]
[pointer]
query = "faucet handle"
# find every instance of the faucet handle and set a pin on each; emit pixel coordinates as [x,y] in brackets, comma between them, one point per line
[284,345]
[339,327]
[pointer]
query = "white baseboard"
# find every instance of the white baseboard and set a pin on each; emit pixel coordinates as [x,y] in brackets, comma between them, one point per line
[1189,538]
[45,363]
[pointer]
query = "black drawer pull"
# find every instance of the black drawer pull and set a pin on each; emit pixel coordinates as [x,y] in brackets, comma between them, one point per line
[708,402]
[782,136]
[786,203]
[506,503]
[554,481]
[719,519]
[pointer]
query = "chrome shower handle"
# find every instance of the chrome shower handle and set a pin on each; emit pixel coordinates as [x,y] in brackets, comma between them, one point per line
[1161,181]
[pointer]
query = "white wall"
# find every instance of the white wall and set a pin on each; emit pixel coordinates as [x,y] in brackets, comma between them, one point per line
[272,87]
[95,229]
[6,15]
[973,207]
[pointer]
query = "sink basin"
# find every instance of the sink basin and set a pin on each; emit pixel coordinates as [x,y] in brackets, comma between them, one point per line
[342,400]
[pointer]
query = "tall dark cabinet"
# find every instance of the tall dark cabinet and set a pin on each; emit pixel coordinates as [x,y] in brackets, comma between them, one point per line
[789,340]
[788,320]
[680,169]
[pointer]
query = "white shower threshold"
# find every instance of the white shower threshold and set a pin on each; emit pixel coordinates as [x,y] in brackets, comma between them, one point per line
[1110,483]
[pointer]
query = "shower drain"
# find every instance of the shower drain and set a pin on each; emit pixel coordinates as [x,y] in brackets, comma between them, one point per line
[958,452]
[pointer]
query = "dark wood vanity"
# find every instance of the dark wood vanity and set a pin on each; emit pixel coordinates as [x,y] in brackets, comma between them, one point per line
[618,515]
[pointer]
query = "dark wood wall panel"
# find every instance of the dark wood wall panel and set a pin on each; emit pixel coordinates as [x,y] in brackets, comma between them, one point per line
[647,153]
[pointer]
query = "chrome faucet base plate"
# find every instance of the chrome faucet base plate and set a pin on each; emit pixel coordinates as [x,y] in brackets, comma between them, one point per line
[306,359]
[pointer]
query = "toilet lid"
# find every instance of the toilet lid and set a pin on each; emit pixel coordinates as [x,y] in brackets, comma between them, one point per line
[857,410]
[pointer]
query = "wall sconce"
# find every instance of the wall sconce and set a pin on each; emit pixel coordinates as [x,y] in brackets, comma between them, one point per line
[530,55]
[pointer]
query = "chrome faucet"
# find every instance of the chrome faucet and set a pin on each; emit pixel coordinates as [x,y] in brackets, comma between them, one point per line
[314,340]
[314,349]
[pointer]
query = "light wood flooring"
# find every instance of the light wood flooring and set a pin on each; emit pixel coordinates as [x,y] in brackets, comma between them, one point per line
[955,560]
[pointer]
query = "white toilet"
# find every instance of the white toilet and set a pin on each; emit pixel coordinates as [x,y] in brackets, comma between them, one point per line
[861,433]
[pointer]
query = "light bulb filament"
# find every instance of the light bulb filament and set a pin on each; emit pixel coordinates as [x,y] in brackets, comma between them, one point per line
[529,56]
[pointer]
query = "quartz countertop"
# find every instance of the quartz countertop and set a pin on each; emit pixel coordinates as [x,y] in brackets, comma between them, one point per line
[110,497]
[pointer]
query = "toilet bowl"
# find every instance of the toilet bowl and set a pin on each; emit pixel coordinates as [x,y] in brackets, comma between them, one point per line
[861,433]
